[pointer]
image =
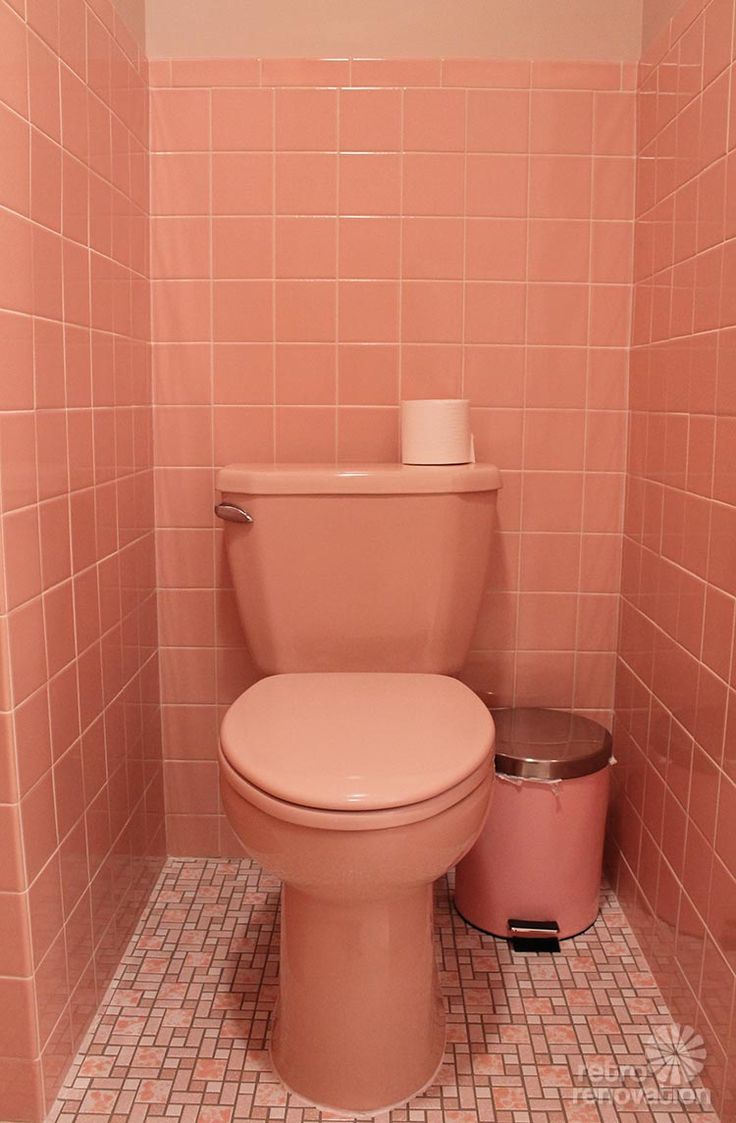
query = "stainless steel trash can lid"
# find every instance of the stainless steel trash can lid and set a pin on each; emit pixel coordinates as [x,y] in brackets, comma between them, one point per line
[548,744]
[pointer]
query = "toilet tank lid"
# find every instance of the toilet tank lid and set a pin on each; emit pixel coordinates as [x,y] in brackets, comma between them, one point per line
[357,479]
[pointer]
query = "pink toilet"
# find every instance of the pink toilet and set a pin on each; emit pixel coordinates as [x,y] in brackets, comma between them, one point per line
[358,772]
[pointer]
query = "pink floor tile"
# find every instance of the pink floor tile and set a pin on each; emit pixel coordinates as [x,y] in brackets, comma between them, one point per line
[182,1033]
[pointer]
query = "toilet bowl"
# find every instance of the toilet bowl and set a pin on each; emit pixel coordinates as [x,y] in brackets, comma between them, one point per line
[358,790]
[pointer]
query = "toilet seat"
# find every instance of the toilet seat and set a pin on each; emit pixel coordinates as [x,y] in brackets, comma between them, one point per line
[351,820]
[342,747]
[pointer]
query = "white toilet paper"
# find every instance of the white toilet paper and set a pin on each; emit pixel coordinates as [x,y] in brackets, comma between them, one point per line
[436,431]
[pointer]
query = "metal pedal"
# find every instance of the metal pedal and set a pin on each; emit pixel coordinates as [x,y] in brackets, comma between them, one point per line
[534,935]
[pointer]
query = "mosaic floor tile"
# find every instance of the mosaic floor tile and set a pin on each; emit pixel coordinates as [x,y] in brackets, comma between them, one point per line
[183,1031]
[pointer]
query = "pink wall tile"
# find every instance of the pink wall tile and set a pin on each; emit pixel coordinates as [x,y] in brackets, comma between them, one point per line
[370,183]
[574,75]
[434,120]
[558,314]
[559,250]
[306,183]
[496,249]
[241,373]
[370,248]
[189,732]
[304,311]
[242,312]
[560,187]
[554,439]
[370,120]
[677,604]
[431,370]
[431,311]
[241,119]
[367,435]
[558,377]
[303,72]
[561,121]
[304,247]
[306,120]
[180,247]
[433,183]
[297,442]
[486,73]
[15,80]
[495,313]
[191,787]
[410,228]
[180,120]
[201,71]
[12,874]
[79,122]
[496,185]
[498,120]
[239,428]
[305,374]
[368,311]
[180,184]
[368,374]
[396,72]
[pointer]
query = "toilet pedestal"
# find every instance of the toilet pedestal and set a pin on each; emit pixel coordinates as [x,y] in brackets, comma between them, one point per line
[360,1024]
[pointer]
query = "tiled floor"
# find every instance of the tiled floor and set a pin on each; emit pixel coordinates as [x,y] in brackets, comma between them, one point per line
[183,1032]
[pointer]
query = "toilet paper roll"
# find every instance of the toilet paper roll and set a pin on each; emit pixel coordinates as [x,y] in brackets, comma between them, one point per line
[436,431]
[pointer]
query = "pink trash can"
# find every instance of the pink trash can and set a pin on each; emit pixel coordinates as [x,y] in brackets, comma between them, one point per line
[535,872]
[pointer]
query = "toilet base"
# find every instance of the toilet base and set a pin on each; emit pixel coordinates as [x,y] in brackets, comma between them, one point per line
[357,1114]
[360,1023]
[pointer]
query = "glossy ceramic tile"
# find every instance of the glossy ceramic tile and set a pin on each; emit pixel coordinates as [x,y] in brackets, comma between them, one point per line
[183,1031]
[80,810]
[388,229]
[671,847]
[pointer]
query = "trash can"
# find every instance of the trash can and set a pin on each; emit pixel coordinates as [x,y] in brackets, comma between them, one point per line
[535,871]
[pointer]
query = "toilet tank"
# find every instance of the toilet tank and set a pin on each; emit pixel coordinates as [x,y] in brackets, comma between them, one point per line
[358,567]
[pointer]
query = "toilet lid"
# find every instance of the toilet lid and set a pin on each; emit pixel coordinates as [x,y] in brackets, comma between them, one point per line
[351,742]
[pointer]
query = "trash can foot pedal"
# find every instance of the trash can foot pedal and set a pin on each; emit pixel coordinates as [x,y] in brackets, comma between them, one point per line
[534,935]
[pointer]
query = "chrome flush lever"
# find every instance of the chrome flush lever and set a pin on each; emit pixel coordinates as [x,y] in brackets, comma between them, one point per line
[232,514]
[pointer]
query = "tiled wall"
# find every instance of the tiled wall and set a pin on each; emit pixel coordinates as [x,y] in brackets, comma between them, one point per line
[675,822]
[331,236]
[80,772]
